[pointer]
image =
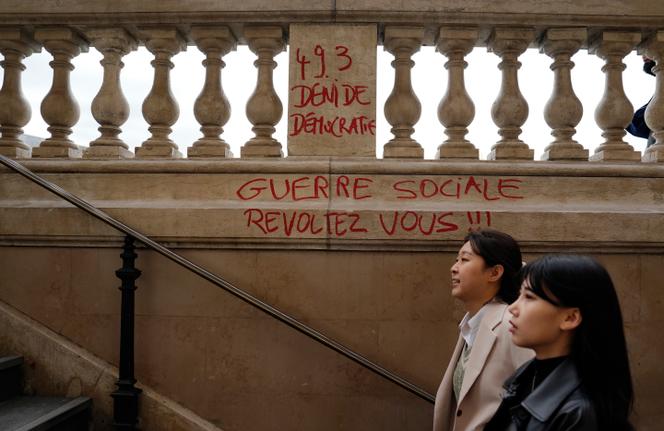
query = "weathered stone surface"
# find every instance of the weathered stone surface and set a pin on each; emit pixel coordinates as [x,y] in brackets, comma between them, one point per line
[332,90]
[56,366]
[371,290]
[564,110]
[456,110]
[402,107]
[212,109]
[642,8]
[653,47]
[329,204]
[15,110]
[393,307]
[109,107]
[371,273]
[264,108]
[614,112]
[59,107]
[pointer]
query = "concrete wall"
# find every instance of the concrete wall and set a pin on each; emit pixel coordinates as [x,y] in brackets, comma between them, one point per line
[387,298]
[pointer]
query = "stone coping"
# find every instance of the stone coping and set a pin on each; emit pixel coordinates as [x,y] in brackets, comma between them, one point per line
[430,14]
[641,9]
[348,165]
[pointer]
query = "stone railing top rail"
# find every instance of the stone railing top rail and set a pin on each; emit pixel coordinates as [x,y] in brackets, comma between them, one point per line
[334,166]
[634,14]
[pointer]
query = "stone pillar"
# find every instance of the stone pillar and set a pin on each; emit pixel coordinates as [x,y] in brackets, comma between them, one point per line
[15,110]
[59,108]
[614,111]
[654,48]
[264,109]
[456,109]
[564,110]
[110,107]
[332,90]
[510,110]
[402,107]
[211,108]
[160,109]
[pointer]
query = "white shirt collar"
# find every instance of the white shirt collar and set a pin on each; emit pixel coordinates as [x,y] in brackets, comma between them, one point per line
[470,326]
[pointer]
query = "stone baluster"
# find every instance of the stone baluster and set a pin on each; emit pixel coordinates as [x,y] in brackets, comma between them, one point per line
[614,111]
[564,110]
[402,107]
[654,48]
[510,109]
[15,112]
[264,109]
[211,108]
[59,108]
[456,110]
[160,109]
[110,107]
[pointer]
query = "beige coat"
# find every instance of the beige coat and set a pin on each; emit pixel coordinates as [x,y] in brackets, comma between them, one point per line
[492,360]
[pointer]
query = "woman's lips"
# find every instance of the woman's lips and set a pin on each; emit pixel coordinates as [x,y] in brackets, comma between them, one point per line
[513,327]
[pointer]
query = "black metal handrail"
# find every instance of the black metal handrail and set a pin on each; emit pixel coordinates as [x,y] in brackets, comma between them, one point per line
[216,280]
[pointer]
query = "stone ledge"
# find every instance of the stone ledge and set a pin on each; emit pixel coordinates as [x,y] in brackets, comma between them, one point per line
[451,246]
[431,15]
[578,10]
[347,165]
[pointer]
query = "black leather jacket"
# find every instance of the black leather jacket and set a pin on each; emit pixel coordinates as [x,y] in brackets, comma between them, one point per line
[557,404]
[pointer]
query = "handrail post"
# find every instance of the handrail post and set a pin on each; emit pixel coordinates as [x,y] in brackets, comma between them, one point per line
[125,397]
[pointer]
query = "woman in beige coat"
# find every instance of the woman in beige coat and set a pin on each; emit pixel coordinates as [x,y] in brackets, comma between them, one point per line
[484,278]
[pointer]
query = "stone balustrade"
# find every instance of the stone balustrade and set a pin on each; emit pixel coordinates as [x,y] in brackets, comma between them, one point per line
[264,108]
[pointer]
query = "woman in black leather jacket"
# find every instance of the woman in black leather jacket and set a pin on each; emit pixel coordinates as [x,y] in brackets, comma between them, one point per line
[568,313]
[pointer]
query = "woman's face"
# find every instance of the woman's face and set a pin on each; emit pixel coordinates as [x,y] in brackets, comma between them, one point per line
[538,324]
[471,277]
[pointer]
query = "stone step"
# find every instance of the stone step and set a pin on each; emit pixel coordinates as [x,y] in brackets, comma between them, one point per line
[10,377]
[23,413]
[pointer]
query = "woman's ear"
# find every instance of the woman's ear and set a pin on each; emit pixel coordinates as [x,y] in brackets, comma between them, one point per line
[571,319]
[496,272]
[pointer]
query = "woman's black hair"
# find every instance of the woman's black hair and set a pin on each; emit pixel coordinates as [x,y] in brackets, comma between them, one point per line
[498,248]
[599,350]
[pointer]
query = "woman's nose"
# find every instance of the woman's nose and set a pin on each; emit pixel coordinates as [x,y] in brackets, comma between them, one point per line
[513,308]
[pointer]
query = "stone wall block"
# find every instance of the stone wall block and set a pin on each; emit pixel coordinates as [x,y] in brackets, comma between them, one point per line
[59,108]
[564,110]
[212,109]
[110,107]
[510,109]
[614,111]
[15,111]
[264,108]
[653,47]
[160,109]
[402,107]
[456,110]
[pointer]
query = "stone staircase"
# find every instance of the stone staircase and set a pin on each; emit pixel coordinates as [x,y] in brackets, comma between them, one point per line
[19,412]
